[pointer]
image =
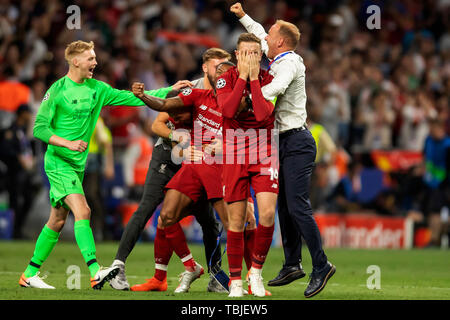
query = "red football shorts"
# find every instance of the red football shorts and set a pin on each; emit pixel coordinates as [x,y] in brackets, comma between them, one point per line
[237,179]
[196,180]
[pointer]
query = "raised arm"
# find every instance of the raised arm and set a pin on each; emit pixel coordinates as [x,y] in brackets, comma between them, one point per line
[250,25]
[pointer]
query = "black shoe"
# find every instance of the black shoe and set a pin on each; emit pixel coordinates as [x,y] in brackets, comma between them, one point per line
[319,280]
[286,275]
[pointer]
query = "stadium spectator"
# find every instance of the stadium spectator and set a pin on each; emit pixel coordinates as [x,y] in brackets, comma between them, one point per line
[136,159]
[12,94]
[321,180]
[409,57]
[378,118]
[344,197]
[17,154]
[436,194]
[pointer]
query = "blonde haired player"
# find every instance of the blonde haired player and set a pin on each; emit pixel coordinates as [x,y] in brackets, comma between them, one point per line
[65,121]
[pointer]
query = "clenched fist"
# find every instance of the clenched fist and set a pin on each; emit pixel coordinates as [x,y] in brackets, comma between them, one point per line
[237,10]
[78,145]
[138,89]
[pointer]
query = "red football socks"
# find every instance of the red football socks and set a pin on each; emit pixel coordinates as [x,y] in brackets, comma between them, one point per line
[177,240]
[263,240]
[235,253]
[163,253]
[249,241]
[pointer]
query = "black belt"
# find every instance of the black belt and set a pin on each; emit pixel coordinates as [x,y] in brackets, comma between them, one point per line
[292,131]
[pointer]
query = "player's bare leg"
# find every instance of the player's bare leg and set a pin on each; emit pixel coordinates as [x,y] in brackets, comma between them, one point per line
[173,206]
[57,219]
[237,213]
[85,240]
[222,210]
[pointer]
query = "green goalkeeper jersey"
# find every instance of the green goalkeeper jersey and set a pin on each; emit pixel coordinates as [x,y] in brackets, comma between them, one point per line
[70,110]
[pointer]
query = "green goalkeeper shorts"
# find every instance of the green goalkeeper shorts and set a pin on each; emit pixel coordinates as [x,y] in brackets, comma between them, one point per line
[63,183]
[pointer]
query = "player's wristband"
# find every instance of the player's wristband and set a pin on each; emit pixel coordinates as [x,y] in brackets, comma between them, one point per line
[171,135]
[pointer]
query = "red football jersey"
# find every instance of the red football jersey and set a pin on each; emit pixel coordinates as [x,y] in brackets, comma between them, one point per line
[246,119]
[206,115]
[254,137]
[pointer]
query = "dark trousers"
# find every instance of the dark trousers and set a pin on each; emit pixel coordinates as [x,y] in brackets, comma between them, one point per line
[21,195]
[161,170]
[297,155]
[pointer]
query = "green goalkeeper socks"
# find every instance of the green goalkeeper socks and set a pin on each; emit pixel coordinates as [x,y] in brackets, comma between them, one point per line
[85,241]
[44,245]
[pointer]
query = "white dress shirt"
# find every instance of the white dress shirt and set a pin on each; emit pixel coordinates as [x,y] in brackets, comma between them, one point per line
[288,84]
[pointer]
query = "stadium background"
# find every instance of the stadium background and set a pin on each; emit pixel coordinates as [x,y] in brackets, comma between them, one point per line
[373,92]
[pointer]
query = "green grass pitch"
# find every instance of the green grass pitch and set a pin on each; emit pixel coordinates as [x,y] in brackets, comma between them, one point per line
[404,275]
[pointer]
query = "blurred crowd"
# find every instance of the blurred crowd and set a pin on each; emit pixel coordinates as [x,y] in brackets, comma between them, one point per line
[368,89]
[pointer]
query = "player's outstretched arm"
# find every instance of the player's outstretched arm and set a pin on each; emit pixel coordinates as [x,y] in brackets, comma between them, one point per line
[158,104]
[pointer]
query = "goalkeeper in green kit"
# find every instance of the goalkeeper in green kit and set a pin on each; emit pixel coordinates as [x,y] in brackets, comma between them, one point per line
[66,120]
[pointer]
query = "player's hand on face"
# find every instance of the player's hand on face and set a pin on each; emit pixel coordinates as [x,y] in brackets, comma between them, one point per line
[182,84]
[78,145]
[138,89]
[243,65]
[254,66]
[237,10]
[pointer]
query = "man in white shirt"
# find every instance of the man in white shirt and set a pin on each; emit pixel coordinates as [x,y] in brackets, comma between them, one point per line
[297,152]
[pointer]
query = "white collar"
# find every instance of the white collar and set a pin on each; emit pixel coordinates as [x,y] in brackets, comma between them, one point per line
[276,57]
